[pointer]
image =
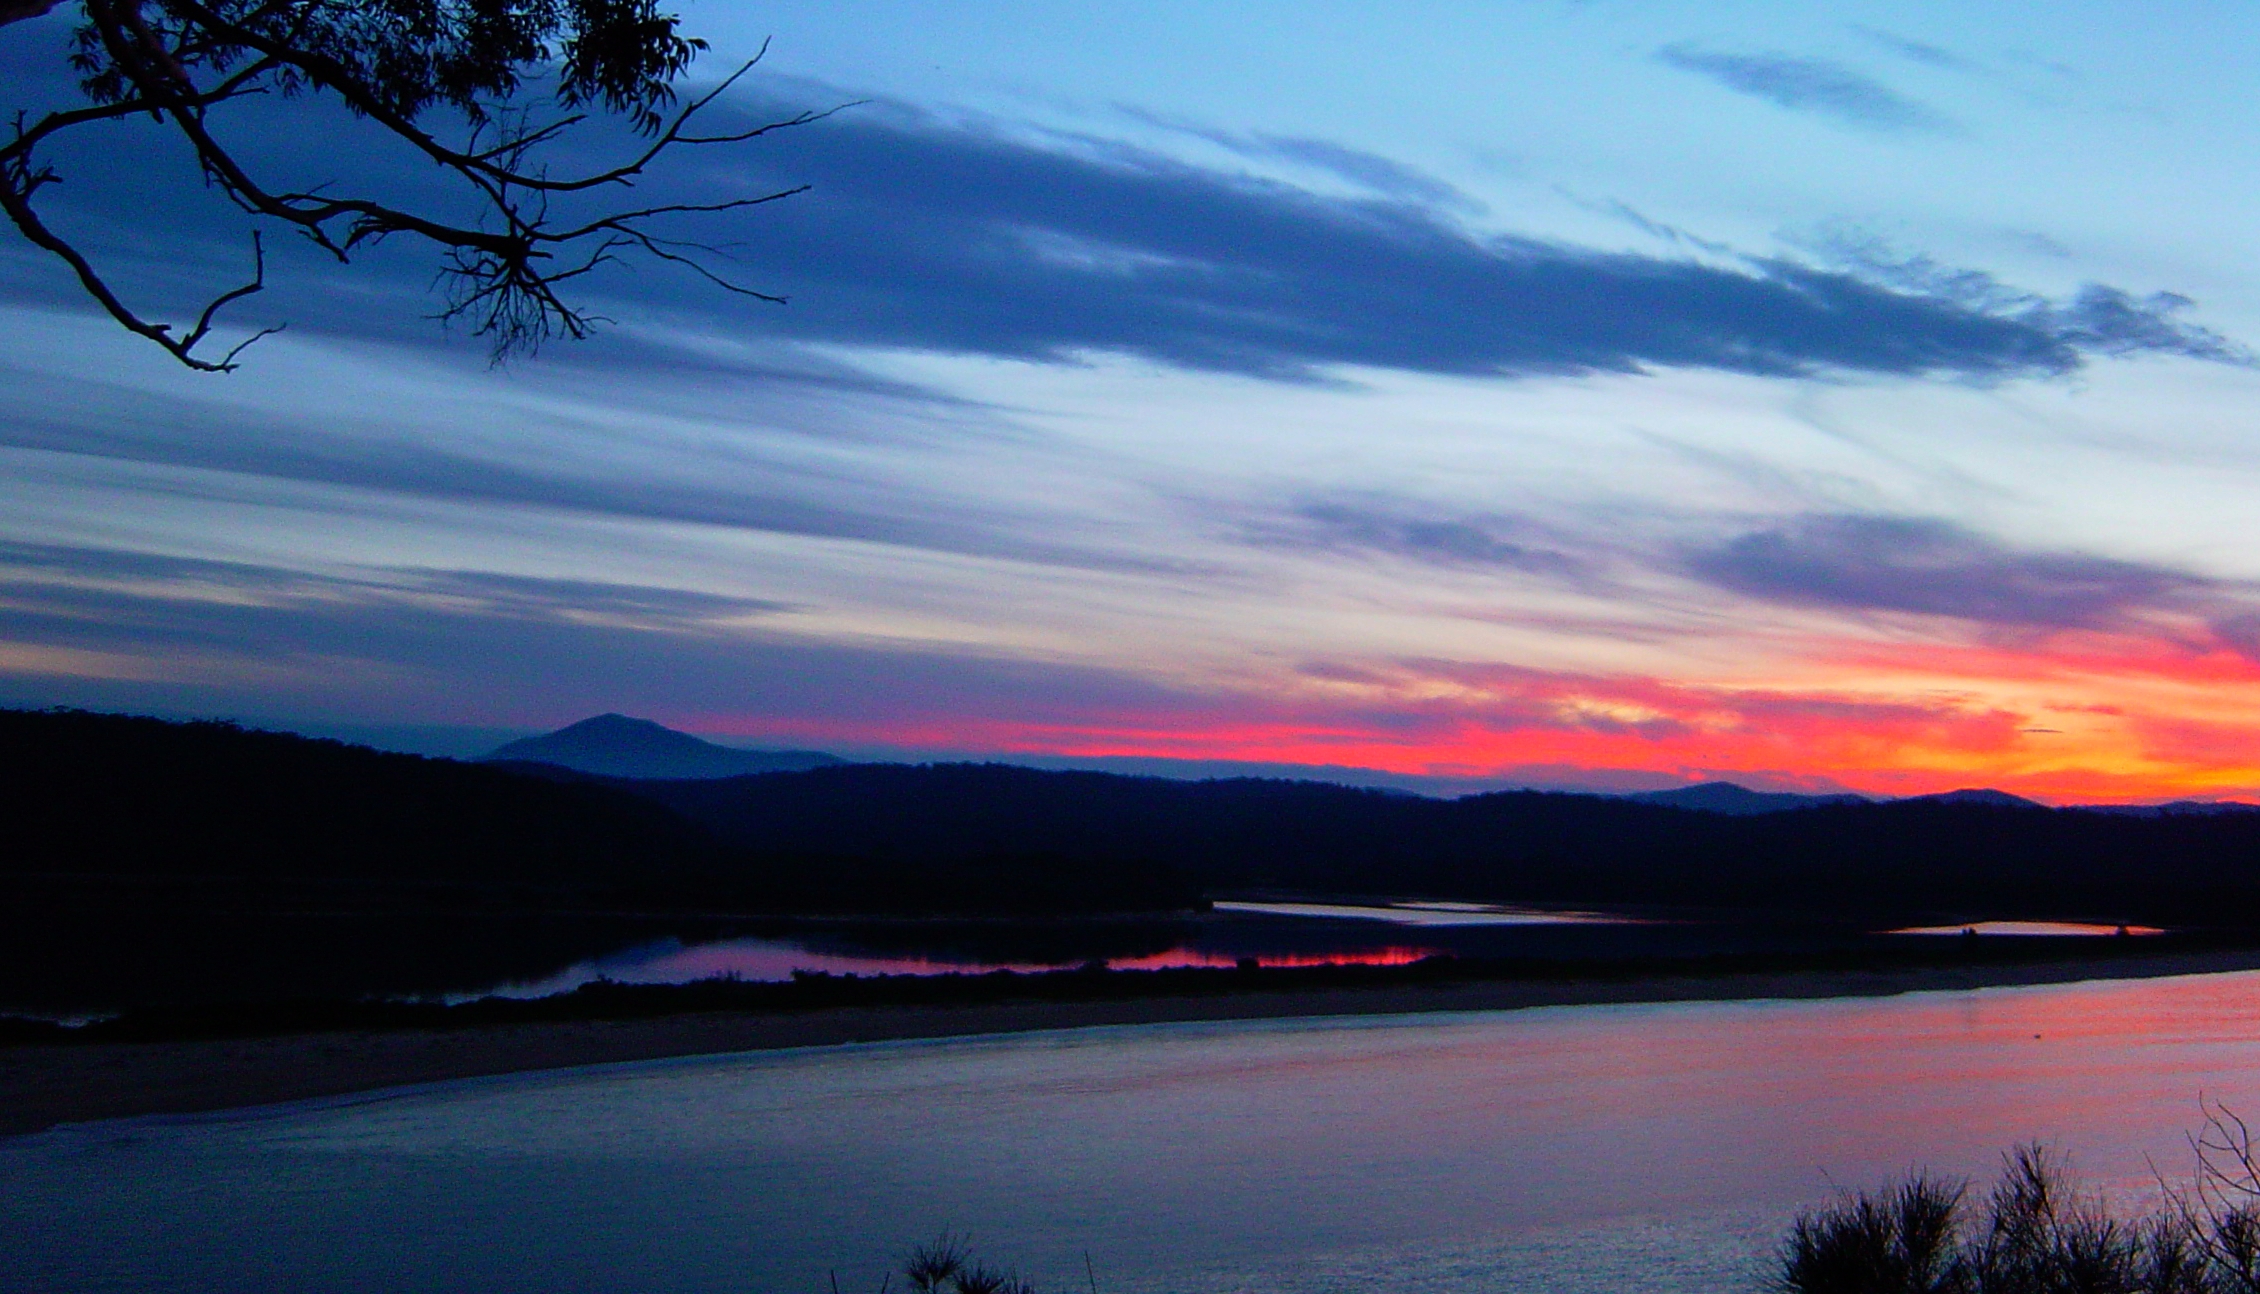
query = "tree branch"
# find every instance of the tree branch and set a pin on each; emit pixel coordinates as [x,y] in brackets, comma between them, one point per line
[142,58]
[27,221]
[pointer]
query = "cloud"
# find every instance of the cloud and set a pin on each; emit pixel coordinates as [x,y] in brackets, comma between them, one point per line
[2239,631]
[591,601]
[2107,321]
[957,238]
[1401,531]
[1810,85]
[1371,171]
[636,443]
[1935,568]
[121,630]
[1915,51]
[1378,173]
[1653,228]
[92,578]
[969,238]
[2098,320]
[97,626]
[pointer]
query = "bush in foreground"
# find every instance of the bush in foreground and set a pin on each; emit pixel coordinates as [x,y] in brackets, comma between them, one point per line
[947,1266]
[2035,1233]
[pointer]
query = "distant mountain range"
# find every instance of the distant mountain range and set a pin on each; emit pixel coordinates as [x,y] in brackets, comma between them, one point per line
[1740,801]
[2176,809]
[614,745]
[165,818]
[1858,860]
[203,809]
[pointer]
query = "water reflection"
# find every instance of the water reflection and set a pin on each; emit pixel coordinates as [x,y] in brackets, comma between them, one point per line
[670,961]
[1428,914]
[1266,933]
[2029,929]
[1571,1150]
[96,962]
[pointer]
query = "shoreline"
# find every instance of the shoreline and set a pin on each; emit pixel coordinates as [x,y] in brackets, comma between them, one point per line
[43,1085]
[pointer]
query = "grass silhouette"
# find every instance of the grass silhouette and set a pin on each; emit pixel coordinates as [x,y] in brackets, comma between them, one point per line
[2036,1232]
[947,1265]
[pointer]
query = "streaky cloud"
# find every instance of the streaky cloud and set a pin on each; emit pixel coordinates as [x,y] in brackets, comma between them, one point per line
[961,239]
[975,238]
[203,636]
[1402,530]
[594,599]
[219,637]
[120,577]
[1916,51]
[2098,319]
[1372,171]
[370,646]
[1928,567]
[1813,85]
[614,470]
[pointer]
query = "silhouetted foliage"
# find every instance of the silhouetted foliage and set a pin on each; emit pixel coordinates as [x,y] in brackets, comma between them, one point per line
[1901,1239]
[109,795]
[947,1266]
[2036,1234]
[1911,858]
[180,66]
[128,800]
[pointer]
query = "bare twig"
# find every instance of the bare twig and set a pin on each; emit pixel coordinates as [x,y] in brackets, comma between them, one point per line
[501,273]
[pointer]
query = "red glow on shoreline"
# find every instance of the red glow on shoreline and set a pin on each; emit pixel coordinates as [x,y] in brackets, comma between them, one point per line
[1177,958]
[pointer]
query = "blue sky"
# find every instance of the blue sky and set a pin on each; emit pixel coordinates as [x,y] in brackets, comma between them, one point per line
[1580,394]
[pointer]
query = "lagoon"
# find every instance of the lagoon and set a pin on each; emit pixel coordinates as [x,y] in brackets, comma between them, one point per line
[1270,934]
[1616,1148]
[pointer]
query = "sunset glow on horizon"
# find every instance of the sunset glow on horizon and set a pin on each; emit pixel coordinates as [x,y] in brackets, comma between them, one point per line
[1855,399]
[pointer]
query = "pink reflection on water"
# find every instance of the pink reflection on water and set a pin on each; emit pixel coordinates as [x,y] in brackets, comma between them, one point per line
[773,959]
[1176,957]
[2028,928]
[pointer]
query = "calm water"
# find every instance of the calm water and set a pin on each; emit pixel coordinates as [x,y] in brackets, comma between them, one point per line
[1313,934]
[1603,1148]
[1272,934]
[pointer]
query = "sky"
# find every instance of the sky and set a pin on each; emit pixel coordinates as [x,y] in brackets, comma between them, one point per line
[1600,395]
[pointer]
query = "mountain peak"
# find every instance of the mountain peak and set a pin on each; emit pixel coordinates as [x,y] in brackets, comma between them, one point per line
[1738,801]
[1980,795]
[619,745]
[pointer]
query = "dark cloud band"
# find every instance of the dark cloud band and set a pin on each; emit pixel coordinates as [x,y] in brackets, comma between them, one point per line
[971,239]
[1926,567]
[1812,85]
[955,239]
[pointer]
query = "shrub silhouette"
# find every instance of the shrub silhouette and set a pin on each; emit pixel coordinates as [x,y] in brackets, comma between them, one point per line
[2035,1233]
[947,1266]
[1902,1239]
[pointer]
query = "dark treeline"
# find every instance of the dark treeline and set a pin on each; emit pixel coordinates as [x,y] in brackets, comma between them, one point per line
[107,794]
[102,808]
[89,796]
[1909,858]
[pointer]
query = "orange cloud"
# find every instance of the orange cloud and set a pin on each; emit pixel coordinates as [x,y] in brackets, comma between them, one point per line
[2078,717]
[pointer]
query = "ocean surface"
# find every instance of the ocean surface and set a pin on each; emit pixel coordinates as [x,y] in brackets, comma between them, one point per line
[1615,1148]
